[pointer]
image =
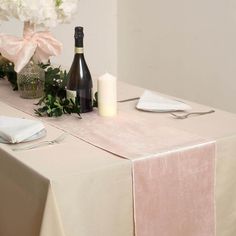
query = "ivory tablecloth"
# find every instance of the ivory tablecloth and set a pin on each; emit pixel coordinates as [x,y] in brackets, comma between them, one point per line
[47,168]
[68,189]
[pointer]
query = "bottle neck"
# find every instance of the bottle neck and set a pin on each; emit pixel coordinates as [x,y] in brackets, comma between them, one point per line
[79,45]
[79,42]
[79,50]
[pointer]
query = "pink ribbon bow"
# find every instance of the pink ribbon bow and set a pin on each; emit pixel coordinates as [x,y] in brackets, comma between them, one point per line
[40,44]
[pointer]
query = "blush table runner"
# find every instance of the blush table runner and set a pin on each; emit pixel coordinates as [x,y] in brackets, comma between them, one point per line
[173,171]
[173,164]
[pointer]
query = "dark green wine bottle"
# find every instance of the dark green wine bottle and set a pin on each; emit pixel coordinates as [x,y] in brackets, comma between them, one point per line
[79,83]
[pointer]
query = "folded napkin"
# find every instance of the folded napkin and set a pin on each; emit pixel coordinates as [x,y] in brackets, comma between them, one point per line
[152,101]
[16,130]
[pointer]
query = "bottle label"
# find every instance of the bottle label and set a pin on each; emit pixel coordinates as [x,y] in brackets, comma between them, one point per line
[71,94]
[79,50]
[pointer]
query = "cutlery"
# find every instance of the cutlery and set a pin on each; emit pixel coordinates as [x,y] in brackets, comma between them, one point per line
[41,144]
[129,99]
[184,116]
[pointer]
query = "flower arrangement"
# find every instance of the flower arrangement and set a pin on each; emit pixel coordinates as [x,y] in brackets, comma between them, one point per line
[42,45]
[47,13]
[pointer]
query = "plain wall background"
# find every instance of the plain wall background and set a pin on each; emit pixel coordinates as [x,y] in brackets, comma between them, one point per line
[185,48]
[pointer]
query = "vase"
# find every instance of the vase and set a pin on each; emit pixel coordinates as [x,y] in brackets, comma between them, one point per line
[30,81]
[31,78]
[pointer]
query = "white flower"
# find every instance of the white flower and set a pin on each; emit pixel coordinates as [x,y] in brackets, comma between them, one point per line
[41,12]
[3,11]
[66,9]
[9,7]
[47,13]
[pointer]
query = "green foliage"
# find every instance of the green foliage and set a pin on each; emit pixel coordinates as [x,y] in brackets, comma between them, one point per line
[54,103]
[56,106]
[7,70]
[58,3]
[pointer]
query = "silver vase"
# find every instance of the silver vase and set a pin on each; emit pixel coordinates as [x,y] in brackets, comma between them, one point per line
[30,81]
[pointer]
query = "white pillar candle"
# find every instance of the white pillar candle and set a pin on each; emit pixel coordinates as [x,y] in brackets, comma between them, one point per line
[107,95]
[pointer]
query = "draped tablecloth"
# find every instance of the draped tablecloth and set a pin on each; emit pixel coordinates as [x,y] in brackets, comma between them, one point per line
[175,189]
[67,189]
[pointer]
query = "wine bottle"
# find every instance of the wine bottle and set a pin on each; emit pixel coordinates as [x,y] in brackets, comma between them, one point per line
[79,83]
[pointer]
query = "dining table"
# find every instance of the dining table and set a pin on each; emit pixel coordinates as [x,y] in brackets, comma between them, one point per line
[138,173]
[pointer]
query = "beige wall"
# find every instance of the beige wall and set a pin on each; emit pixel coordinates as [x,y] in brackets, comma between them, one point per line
[99,21]
[185,48]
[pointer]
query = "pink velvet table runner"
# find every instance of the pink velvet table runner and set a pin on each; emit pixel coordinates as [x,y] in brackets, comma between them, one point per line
[173,170]
[174,193]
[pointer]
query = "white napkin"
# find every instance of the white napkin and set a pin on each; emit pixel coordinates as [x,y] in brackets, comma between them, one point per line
[16,130]
[152,101]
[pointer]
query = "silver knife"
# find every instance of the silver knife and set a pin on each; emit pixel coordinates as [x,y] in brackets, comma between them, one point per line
[129,99]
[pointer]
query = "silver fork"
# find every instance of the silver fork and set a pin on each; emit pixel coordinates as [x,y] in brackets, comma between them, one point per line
[184,116]
[41,144]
